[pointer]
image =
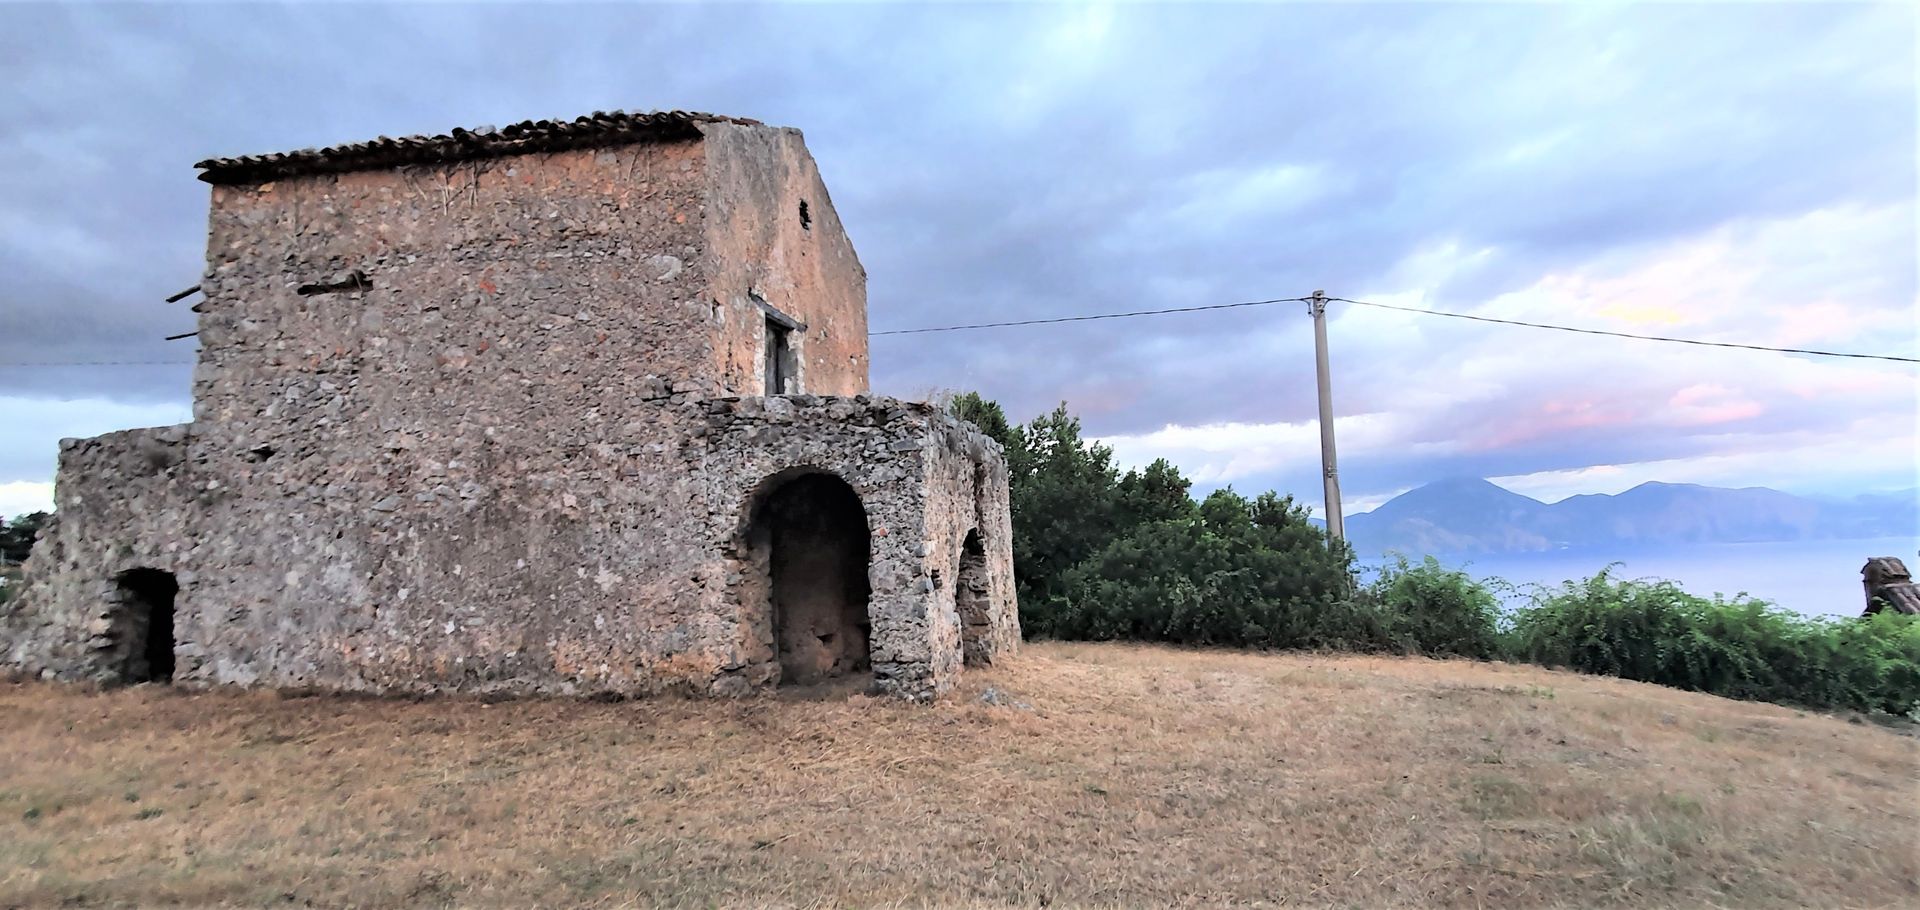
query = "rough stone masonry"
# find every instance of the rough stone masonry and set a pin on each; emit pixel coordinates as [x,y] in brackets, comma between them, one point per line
[569,407]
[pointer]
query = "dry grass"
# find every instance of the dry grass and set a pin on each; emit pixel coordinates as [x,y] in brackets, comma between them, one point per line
[1140,776]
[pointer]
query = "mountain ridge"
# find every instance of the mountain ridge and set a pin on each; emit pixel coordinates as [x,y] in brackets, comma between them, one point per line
[1459,515]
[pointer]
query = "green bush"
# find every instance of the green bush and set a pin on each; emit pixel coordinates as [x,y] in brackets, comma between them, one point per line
[1356,624]
[1234,572]
[1430,609]
[1102,555]
[1655,632]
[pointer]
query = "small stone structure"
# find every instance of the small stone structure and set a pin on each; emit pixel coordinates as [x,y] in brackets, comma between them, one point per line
[569,407]
[1889,586]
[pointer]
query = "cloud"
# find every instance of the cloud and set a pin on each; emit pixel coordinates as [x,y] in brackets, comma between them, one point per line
[1861,463]
[22,496]
[1641,168]
[1462,399]
[35,427]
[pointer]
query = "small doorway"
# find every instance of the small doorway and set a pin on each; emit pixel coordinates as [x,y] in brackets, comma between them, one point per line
[143,626]
[971,599]
[815,532]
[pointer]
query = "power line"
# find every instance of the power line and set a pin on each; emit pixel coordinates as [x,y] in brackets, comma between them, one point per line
[1408,309]
[1197,309]
[1568,328]
[97,363]
[1002,325]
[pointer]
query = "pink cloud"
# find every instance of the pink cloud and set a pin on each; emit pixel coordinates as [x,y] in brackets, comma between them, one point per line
[1553,417]
[1707,405]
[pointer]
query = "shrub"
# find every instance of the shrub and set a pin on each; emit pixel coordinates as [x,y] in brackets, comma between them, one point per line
[1140,586]
[1357,624]
[1655,632]
[1431,609]
[1102,555]
[1234,572]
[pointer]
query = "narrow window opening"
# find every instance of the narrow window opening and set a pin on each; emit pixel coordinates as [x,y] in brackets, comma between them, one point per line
[355,281]
[144,625]
[972,599]
[780,365]
[806,219]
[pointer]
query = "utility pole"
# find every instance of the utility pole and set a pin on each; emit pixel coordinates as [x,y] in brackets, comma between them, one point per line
[1329,467]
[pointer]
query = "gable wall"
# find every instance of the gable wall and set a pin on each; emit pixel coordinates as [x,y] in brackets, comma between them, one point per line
[760,249]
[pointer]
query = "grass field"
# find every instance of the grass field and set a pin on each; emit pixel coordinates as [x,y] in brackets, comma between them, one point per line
[1133,776]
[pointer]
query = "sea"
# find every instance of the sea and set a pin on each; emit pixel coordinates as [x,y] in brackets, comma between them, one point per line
[1815,578]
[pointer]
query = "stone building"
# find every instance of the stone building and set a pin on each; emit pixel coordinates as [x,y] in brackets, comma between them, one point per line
[567,407]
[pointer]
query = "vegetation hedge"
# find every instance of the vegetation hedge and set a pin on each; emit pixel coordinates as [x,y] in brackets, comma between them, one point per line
[1655,632]
[1104,555]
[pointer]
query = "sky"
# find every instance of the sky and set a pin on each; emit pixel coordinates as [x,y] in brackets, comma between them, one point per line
[1727,172]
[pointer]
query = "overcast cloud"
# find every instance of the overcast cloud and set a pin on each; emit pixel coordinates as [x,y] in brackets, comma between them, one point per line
[1730,172]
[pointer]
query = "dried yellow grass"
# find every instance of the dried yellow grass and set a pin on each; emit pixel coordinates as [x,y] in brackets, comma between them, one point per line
[1141,776]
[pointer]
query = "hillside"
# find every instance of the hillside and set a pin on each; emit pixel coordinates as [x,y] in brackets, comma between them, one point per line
[1475,516]
[1128,775]
[1464,515]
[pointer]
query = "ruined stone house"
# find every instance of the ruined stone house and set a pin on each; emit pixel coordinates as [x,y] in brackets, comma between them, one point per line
[567,407]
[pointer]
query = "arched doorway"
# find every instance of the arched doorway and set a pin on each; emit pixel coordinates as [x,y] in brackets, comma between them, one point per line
[815,533]
[143,624]
[971,597]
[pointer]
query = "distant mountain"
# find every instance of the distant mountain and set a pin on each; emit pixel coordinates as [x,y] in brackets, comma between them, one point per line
[1875,511]
[1470,515]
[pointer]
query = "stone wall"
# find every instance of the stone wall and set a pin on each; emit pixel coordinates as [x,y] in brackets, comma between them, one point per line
[764,251]
[419,471]
[657,583]
[914,469]
[968,477]
[467,426]
[122,504]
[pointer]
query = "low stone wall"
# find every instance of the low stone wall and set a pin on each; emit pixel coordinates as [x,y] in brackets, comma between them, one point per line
[628,565]
[972,533]
[923,478]
[122,505]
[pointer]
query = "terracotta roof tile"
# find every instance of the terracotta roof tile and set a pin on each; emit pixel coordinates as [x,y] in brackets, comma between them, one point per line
[596,129]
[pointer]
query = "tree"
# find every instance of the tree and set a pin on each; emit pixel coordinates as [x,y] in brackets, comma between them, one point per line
[986,415]
[1063,505]
[16,536]
[16,540]
[1158,493]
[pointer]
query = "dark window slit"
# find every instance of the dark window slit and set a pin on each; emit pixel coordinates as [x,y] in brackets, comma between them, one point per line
[356,281]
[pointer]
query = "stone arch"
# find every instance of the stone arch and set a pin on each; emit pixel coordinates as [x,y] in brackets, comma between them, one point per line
[972,600]
[140,625]
[808,551]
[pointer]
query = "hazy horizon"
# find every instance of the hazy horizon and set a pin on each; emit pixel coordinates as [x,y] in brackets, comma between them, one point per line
[1815,578]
